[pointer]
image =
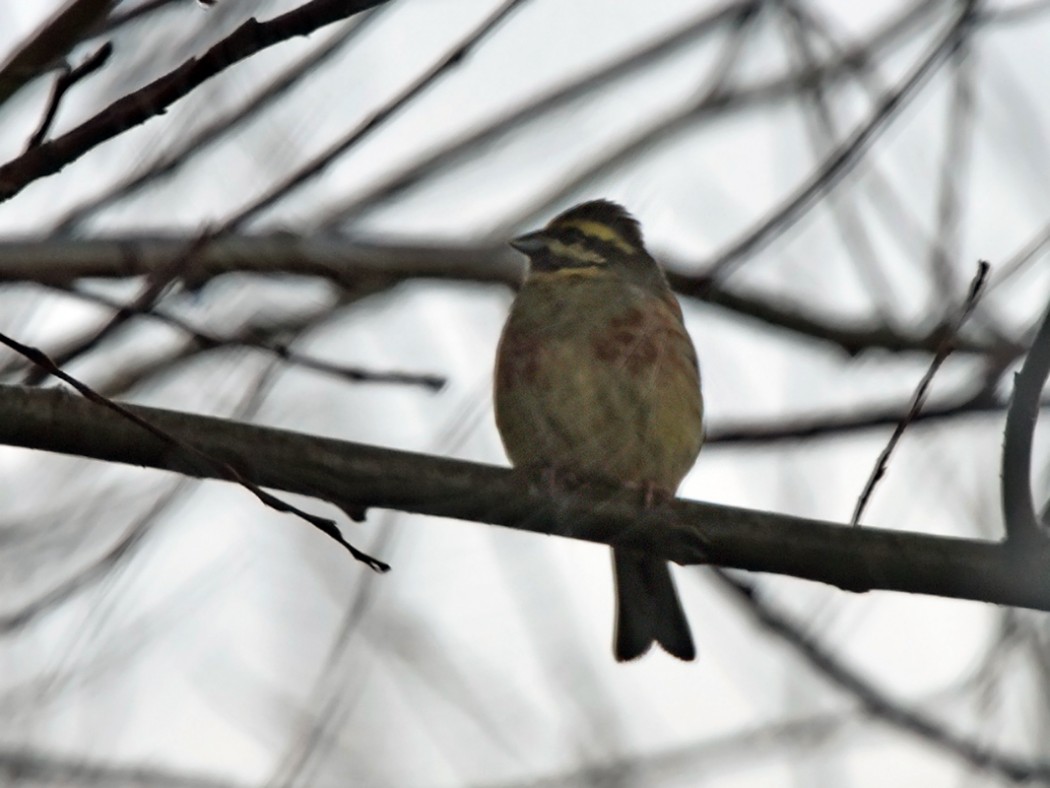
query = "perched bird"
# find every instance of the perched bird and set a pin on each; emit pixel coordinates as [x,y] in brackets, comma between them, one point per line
[596,378]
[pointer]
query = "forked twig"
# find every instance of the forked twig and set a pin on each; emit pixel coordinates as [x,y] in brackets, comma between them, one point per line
[67,79]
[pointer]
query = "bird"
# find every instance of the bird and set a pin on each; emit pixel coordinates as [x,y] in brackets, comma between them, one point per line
[596,378]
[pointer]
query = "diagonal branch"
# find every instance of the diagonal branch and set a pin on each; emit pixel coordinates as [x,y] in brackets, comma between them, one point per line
[153,99]
[919,397]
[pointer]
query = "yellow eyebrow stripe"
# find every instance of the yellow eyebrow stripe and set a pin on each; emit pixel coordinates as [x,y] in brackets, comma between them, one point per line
[575,252]
[566,273]
[602,232]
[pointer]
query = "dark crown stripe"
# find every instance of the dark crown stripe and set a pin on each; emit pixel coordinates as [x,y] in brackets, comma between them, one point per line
[608,213]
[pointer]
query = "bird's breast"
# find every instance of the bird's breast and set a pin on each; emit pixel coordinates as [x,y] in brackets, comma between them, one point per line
[603,380]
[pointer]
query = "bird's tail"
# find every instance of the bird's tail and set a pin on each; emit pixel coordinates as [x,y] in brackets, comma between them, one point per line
[648,609]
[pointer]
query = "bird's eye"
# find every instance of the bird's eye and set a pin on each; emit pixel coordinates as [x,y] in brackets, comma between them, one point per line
[572,235]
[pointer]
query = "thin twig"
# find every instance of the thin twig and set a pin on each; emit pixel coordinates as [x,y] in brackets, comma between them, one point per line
[157,283]
[223,470]
[976,286]
[256,336]
[318,164]
[841,161]
[432,164]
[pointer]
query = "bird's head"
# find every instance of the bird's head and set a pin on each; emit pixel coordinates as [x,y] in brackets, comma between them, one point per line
[596,237]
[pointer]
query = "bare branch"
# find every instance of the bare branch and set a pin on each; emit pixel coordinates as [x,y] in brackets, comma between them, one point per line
[215,468]
[875,702]
[318,164]
[63,262]
[67,79]
[169,162]
[976,286]
[36,767]
[434,163]
[358,477]
[266,335]
[1023,527]
[858,418]
[153,99]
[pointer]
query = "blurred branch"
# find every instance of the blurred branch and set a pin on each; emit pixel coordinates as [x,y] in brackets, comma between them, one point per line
[98,570]
[778,88]
[843,158]
[878,704]
[786,429]
[852,337]
[50,44]
[357,477]
[25,766]
[118,19]
[1023,528]
[728,752]
[267,335]
[161,279]
[456,56]
[102,567]
[61,263]
[954,169]
[153,99]
[168,163]
[157,283]
[718,103]
[22,765]
[824,132]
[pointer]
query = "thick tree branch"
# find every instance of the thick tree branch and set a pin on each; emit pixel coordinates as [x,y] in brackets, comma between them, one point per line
[356,476]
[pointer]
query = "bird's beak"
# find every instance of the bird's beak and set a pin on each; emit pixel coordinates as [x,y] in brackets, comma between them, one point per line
[530,243]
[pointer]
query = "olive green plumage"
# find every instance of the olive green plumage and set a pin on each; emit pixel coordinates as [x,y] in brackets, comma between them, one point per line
[597,377]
